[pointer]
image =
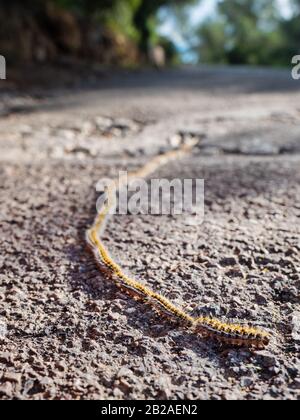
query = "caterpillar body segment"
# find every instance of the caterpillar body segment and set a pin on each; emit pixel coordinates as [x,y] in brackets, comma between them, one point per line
[234,334]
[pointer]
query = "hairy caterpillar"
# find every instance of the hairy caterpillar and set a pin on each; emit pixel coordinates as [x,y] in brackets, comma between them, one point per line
[235,335]
[231,334]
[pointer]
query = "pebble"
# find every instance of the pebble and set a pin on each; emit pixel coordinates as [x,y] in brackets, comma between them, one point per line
[117,393]
[260,299]
[5,357]
[3,330]
[296,383]
[268,359]
[12,377]
[228,262]
[296,326]
[124,372]
[246,382]
[6,389]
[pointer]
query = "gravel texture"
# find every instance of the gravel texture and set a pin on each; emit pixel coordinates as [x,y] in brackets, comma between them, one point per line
[65,332]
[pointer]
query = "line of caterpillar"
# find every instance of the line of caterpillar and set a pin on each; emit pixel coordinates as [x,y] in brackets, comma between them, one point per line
[232,334]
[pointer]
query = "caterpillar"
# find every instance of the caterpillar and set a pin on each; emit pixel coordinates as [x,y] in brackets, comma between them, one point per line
[223,332]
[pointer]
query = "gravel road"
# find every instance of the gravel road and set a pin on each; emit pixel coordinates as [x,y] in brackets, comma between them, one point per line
[67,333]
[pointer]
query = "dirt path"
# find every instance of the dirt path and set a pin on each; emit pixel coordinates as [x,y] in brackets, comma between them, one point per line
[67,333]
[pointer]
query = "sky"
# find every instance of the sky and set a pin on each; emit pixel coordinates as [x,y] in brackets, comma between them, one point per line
[197,14]
[207,7]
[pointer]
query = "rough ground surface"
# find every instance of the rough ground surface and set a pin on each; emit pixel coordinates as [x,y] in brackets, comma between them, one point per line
[67,333]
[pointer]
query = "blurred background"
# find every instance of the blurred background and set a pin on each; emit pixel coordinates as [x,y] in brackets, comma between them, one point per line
[134,33]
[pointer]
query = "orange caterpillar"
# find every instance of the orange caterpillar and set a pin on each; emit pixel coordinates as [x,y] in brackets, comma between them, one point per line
[231,334]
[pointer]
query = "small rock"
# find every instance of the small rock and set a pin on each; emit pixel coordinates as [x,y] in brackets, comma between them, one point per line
[6,389]
[114,315]
[268,359]
[164,385]
[12,377]
[61,366]
[296,383]
[124,385]
[246,382]
[228,262]
[296,326]
[5,357]
[175,140]
[124,372]
[231,395]
[260,299]
[3,330]
[117,393]
[130,311]
[125,124]
[103,123]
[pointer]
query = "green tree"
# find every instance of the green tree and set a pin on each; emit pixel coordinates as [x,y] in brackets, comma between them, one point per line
[243,32]
[145,14]
[136,20]
[291,33]
[142,12]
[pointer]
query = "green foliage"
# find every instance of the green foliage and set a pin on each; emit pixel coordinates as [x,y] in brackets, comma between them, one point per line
[134,19]
[243,32]
[291,34]
[250,32]
[144,18]
[119,18]
[213,45]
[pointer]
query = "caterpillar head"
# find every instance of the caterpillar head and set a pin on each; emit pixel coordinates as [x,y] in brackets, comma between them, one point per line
[232,334]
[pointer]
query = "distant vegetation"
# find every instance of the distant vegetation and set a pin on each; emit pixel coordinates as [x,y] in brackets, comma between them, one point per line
[121,32]
[110,31]
[250,32]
